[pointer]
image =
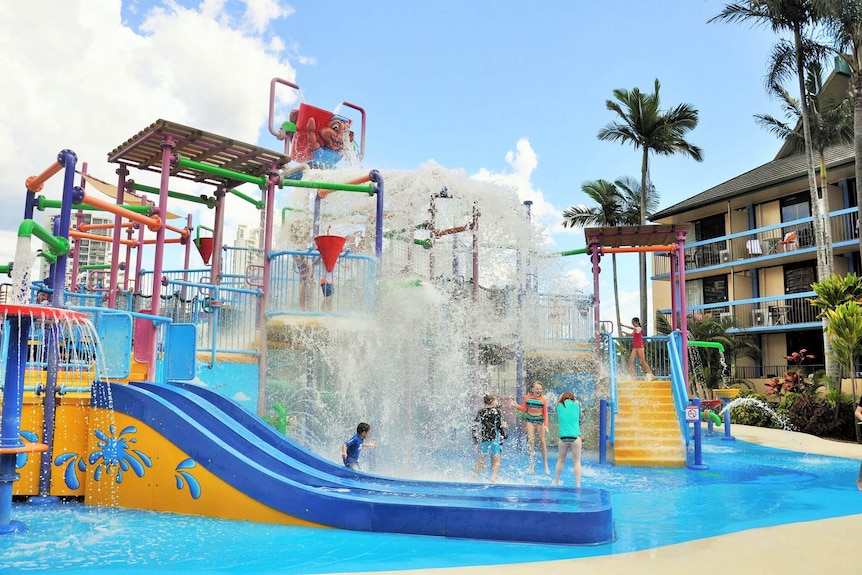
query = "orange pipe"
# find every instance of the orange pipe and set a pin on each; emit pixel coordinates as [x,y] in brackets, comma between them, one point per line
[357,181]
[153,223]
[637,249]
[90,227]
[35,183]
[170,241]
[184,232]
[98,238]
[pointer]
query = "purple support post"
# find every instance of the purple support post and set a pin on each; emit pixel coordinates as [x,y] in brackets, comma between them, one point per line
[76,249]
[68,160]
[52,341]
[10,419]
[315,218]
[531,279]
[140,260]
[122,172]
[683,315]
[158,260]
[269,207]
[218,236]
[595,251]
[129,233]
[674,287]
[188,255]
[378,232]
[475,228]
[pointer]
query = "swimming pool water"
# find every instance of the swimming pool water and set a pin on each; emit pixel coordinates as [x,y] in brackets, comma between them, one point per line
[746,487]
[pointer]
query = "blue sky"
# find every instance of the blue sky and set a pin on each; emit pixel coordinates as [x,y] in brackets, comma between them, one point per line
[505,89]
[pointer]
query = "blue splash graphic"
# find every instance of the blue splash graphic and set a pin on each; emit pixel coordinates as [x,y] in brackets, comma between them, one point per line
[185,478]
[116,455]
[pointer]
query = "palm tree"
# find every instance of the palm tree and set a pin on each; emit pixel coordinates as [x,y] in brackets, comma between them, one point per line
[843,20]
[831,125]
[795,17]
[831,293]
[608,211]
[630,191]
[845,329]
[643,124]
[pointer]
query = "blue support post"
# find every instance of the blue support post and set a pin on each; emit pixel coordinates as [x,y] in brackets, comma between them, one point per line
[10,418]
[603,430]
[725,401]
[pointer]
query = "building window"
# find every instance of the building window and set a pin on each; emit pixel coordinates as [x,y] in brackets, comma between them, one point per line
[795,208]
[715,289]
[708,228]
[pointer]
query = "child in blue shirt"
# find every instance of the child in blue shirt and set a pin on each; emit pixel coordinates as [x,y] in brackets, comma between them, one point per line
[351,450]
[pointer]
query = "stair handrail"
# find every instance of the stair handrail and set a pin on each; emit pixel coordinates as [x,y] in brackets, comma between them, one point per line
[613,383]
[677,381]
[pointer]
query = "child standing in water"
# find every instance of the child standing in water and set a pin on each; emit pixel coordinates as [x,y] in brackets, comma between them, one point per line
[489,431]
[352,448]
[535,408]
[637,347]
[569,416]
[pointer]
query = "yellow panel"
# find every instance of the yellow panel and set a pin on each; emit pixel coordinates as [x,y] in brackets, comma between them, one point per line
[157,489]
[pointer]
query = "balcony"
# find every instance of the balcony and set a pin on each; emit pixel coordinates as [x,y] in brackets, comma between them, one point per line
[760,315]
[785,243]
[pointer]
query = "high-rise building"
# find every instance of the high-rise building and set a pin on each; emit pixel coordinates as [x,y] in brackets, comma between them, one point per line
[90,252]
[246,250]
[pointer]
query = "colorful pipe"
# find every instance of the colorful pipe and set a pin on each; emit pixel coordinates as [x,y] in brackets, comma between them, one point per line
[182,162]
[175,195]
[152,222]
[368,189]
[57,246]
[43,203]
[713,344]
[98,238]
[35,183]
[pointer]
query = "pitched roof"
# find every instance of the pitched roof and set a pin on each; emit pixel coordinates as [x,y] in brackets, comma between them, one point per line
[769,174]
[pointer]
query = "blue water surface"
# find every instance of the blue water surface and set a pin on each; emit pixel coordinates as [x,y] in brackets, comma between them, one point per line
[746,486]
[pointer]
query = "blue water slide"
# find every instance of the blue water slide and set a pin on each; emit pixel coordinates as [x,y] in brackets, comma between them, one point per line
[244,452]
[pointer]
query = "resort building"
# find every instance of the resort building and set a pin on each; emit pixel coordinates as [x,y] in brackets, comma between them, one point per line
[751,254]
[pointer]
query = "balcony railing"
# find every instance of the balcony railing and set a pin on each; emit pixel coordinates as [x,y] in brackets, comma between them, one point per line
[766,314]
[762,247]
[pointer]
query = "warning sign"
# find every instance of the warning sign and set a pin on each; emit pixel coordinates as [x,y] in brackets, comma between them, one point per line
[692,413]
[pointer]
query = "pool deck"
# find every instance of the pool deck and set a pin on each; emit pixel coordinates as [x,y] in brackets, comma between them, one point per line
[825,546]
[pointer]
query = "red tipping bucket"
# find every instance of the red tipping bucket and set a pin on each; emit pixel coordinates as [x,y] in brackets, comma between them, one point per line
[330,248]
[205,248]
[302,151]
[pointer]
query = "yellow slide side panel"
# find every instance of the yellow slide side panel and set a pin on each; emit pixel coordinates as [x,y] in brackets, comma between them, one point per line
[70,437]
[164,478]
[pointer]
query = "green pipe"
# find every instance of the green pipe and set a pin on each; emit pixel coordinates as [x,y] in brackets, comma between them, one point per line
[713,344]
[57,245]
[283,210]
[256,203]
[198,233]
[43,203]
[96,267]
[367,188]
[7,269]
[393,235]
[175,195]
[576,252]
[216,171]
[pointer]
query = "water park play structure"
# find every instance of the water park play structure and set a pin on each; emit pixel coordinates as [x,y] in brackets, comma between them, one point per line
[154,389]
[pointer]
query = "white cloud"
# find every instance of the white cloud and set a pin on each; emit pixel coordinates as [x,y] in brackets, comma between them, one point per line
[240,396]
[81,79]
[523,161]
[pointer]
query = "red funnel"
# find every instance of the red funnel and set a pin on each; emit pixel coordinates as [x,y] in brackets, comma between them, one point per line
[205,248]
[329,248]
